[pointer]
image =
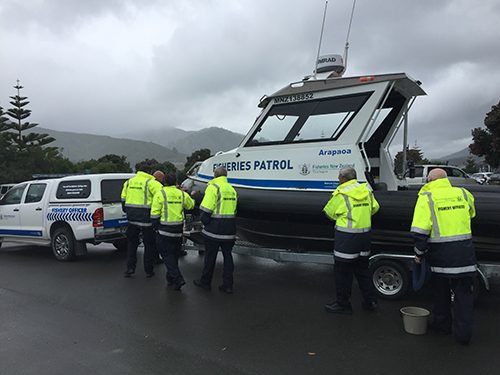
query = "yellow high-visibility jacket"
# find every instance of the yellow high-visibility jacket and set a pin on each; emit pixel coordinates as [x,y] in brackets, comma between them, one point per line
[352,206]
[441,228]
[168,206]
[218,210]
[137,197]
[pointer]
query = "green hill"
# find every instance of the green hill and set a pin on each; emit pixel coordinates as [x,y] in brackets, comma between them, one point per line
[78,147]
[168,144]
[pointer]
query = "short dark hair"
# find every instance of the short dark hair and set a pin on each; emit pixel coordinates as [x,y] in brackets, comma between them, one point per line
[170,179]
[145,168]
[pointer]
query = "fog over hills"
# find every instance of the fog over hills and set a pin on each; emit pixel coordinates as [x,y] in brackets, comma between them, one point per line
[458,158]
[215,139]
[168,144]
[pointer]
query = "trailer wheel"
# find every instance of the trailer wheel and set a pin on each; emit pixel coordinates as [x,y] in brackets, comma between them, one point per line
[391,279]
[63,244]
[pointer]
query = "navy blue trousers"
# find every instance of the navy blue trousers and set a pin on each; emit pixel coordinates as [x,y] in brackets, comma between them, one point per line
[461,321]
[211,250]
[344,272]
[170,251]
[148,238]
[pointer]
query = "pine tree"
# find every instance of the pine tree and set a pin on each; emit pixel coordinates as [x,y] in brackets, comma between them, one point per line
[19,113]
[412,154]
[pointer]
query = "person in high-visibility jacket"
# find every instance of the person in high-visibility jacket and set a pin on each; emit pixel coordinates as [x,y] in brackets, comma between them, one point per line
[167,213]
[218,214]
[351,206]
[137,197]
[441,231]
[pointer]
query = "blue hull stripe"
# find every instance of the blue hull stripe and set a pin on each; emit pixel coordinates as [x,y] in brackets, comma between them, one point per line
[294,184]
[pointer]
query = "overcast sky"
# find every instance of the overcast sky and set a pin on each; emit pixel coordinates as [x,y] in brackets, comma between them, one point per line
[111,66]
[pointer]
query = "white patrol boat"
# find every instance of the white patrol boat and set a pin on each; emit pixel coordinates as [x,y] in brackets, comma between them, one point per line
[287,166]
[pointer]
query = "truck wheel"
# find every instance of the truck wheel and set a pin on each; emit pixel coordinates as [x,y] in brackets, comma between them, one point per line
[63,245]
[391,280]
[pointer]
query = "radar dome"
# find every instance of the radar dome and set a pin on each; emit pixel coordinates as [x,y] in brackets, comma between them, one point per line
[330,63]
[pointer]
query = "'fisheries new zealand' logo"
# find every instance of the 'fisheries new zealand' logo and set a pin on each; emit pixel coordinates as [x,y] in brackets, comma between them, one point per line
[305,169]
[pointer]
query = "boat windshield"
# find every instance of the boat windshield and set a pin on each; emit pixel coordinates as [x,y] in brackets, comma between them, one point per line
[308,121]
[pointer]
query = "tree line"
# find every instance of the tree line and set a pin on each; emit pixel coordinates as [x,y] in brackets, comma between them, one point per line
[24,154]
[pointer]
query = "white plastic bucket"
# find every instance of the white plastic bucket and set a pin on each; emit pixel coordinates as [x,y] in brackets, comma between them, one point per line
[415,319]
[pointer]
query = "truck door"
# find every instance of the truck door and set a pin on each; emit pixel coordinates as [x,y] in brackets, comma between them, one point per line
[10,218]
[33,210]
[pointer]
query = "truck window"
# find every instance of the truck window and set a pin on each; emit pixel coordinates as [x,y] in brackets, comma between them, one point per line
[73,189]
[35,193]
[111,190]
[5,188]
[455,172]
[13,196]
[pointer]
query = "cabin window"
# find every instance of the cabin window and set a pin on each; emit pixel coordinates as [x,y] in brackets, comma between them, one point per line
[308,121]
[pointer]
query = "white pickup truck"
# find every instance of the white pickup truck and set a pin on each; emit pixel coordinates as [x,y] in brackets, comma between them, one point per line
[456,176]
[66,213]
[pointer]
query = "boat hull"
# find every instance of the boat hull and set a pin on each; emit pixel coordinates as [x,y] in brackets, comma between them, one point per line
[294,220]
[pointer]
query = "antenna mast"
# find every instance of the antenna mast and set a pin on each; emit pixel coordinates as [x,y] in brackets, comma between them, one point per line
[320,39]
[347,39]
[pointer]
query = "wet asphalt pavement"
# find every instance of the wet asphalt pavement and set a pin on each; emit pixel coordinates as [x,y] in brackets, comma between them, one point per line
[84,317]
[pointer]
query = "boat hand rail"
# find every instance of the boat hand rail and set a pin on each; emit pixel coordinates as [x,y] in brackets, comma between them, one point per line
[406,109]
[368,129]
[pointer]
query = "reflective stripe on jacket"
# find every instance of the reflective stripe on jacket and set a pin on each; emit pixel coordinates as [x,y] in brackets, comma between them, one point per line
[137,197]
[218,210]
[168,206]
[441,228]
[352,206]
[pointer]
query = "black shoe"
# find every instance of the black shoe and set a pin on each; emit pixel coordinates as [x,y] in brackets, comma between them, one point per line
[436,328]
[178,286]
[129,272]
[170,282]
[199,284]
[335,308]
[150,274]
[227,290]
[201,252]
[183,253]
[370,305]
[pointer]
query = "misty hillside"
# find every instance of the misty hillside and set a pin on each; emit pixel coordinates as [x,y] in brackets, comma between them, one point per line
[78,146]
[458,158]
[163,136]
[215,139]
